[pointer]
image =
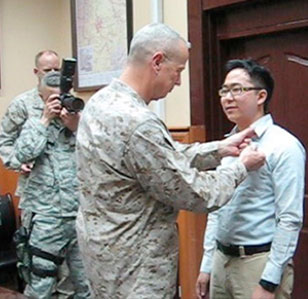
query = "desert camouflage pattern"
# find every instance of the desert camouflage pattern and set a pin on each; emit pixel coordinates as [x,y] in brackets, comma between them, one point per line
[134,179]
[25,105]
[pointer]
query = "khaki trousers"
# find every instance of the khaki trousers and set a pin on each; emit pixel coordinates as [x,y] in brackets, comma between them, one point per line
[237,277]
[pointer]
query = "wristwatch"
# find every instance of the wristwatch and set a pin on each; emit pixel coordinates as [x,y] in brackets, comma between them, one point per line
[268,286]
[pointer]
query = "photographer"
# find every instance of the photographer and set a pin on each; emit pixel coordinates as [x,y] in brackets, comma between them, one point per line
[20,109]
[50,192]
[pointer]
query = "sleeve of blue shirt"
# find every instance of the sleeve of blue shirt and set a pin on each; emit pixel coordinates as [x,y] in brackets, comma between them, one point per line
[288,178]
[209,242]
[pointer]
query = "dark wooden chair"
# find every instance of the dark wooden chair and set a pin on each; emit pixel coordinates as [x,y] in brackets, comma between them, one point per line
[8,258]
[9,294]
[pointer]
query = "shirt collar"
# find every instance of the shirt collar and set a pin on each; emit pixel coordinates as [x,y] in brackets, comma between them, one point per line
[38,103]
[260,126]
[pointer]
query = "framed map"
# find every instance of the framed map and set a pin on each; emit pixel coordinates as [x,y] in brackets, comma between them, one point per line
[101,33]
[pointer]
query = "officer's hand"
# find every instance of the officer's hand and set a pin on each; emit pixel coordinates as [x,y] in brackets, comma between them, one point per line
[52,109]
[252,158]
[70,120]
[202,285]
[260,293]
[233,145]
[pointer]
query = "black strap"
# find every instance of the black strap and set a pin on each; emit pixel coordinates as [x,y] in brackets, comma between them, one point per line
[44,272]
[58,260]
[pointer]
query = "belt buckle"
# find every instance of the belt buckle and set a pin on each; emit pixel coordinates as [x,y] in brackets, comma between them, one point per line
[241,251]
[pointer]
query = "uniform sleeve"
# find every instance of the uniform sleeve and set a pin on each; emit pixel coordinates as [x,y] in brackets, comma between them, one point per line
[166,174]
[10,127]
[288,178]
[203,156]
[31,141]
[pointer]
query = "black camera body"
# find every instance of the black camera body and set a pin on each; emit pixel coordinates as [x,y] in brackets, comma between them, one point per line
[71,103]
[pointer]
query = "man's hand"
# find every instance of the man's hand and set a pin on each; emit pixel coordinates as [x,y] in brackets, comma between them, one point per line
[202,285]
[70,120]
[252,158]
[233,145]
[260,293]
[52,109]
[26,168]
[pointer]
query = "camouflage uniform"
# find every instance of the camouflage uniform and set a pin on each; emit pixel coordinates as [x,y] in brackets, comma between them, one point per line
[27,104]
[134,178]
[49,192]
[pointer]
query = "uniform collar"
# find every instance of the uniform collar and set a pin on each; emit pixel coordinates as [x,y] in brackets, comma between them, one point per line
[120,85]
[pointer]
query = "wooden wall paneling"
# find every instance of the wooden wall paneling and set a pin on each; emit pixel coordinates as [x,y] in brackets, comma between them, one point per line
[272,16]
[191,226]
[211,4]
[180,134]
[191,231]
[195,36]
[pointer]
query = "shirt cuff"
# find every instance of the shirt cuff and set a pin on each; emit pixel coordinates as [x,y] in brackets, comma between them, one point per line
[272,273]
[206,265]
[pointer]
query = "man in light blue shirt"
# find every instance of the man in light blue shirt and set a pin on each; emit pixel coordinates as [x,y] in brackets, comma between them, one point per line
[250,242]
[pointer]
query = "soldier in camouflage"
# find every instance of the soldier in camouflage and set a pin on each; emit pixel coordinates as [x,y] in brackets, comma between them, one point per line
[134,177]
[47,142]
[22,107]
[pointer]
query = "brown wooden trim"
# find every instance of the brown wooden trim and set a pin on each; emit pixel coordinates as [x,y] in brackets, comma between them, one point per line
[195,64]
[190,225]
[211,4]
[178,129]
[263,30]
[283,16]
[191,230]
[197,134]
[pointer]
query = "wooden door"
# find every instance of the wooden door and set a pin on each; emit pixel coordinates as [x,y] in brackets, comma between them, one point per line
[276,34]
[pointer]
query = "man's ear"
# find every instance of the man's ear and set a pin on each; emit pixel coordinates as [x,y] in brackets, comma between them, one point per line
[35,71]
[262,96]
[157,59]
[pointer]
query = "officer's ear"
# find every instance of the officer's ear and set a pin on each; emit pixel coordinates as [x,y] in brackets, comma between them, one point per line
[157,60]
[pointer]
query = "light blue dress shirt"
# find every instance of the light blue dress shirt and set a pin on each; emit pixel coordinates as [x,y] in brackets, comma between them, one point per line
[267,206]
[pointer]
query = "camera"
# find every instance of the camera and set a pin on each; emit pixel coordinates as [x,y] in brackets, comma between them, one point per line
[71,103]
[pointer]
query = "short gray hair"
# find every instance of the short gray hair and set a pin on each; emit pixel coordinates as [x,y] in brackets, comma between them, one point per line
[41,53]
[51,79]
[152,38]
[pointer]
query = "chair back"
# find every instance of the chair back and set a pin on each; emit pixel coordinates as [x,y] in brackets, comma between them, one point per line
[7,220]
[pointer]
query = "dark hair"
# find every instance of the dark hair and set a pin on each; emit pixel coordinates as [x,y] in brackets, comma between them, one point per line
[259,74]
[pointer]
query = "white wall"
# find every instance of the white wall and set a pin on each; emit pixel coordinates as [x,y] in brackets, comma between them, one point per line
[178,103]
[28,26]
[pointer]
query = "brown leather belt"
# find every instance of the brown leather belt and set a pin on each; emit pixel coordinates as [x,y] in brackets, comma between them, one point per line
[238,250]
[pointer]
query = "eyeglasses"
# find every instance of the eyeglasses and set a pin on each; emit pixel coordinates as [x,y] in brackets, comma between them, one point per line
[235,90]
